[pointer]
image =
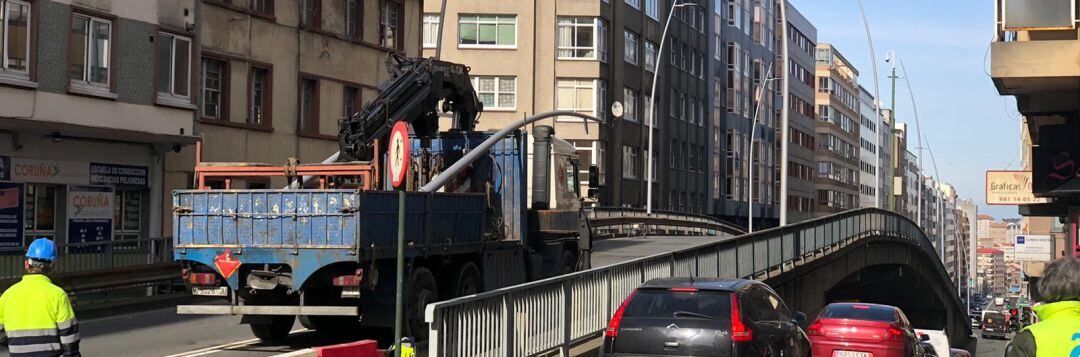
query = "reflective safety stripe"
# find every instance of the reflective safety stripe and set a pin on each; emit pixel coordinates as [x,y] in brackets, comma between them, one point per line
[32,333]
[65,324]
[41,347]
[69,339]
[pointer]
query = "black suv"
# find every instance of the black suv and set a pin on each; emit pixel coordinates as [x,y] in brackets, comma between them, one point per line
[705,317]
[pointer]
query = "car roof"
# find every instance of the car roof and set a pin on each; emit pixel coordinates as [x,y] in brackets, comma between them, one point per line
[718,284]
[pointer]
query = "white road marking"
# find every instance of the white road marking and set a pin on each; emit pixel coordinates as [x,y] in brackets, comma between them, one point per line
[227,346]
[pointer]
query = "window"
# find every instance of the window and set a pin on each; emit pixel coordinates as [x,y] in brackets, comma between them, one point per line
[580,95]
[351,101]
[213,87]
[652,9]
[173,65]
[310,13]
[307,120]
[127,214]
[582,38]
[650,56]
[354,16]
[40,217]
[630,47]
[431,30]
[15,38]
[630,162]
[488,30]
[497,93]
[389,21]
[646,110]
[630,99]
[259,97]
[634,3]
[91,45]
[263,7]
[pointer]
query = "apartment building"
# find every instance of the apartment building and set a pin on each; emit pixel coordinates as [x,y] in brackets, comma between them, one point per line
[745,111]
[93,95]
[274,77]
[533,56]
[837,128]
[967,217]
[802,139]
[983,233]
[869,123]
[991,278]
[913,184]
[899,167]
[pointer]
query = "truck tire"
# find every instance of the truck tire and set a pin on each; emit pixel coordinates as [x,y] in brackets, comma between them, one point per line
[420,291]
[466,282]
[276,329]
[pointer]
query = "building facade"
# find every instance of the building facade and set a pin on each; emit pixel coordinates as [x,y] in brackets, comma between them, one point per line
[93,97]
[837,128]
[276,76]
[533,56]
[743,86]
[869,124]
[991,278]
[802,139]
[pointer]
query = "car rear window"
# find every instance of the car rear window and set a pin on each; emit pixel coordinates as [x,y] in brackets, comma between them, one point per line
[665,303]
[860,312]
[994,319]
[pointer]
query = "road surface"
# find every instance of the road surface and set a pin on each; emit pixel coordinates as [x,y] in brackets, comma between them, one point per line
[161,332]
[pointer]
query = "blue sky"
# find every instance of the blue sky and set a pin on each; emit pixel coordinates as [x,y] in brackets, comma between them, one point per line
[944,45]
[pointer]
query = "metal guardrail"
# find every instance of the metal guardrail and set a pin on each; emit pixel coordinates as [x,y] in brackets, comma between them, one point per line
[613,222]
[554,314]
[94,256]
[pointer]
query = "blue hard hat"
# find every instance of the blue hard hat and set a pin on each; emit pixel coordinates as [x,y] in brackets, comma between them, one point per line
[42,249]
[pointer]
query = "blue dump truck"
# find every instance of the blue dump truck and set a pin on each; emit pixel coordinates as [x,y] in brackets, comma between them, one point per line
[327,255]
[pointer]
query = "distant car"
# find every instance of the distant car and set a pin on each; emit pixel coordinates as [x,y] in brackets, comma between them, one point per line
[995,325]
[705,317]
[862,330]
[956,352]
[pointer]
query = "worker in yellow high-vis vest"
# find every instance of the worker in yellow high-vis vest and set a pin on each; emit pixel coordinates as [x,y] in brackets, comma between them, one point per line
[1057,333]
[36,318]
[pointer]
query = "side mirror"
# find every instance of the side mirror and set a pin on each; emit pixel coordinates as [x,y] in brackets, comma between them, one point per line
[798,317]
[924,337]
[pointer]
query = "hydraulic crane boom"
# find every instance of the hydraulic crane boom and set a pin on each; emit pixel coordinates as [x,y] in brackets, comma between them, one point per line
[411,95]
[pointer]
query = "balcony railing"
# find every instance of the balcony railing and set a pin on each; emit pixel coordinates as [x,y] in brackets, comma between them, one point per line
[1015,16]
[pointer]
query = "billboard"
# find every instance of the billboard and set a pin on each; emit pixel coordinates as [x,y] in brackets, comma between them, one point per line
[12,203]
[1010,188]
[90,216]
[1033,248]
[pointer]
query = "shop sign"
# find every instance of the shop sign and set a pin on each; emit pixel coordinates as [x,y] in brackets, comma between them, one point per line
[1010,188]
[49,171]
[1033,248]
[11,214]
[90,217]
[119,175]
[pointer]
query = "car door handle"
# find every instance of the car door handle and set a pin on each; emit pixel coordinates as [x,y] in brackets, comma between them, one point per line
[671,345]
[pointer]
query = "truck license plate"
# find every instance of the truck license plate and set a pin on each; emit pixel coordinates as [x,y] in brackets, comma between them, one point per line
[210,291]
[350,292]
[850,354]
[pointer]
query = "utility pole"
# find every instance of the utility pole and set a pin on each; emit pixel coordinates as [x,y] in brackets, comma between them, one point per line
[785,94]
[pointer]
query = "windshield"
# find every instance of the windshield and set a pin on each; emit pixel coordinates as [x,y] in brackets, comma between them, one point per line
[668,304]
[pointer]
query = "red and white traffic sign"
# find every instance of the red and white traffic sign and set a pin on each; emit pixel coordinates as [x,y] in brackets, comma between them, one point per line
[399,153]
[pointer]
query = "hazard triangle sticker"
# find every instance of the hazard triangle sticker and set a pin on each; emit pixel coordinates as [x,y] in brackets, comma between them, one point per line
[226,263]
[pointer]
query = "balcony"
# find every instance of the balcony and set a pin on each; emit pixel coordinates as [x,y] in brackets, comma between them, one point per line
[1036,53]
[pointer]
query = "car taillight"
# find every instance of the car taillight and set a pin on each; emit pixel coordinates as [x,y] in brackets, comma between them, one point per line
[613,325]
[894,334]
[739,331]
[815,329]
[683,290]
[349,280]
[202,278]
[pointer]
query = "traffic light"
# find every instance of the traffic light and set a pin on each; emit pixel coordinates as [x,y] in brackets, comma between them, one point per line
[1012,312]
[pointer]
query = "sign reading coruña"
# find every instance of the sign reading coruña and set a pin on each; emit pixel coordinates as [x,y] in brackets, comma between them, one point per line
[50,171]
[1010,188]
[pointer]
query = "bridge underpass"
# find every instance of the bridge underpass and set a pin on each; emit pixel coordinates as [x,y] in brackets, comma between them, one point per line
[878,270]
[868,255]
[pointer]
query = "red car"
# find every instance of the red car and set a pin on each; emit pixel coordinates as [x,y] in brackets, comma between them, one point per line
[862,330]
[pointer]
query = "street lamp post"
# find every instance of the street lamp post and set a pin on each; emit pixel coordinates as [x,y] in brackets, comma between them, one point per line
[652,105]
[753,135]
[877,106]
[785,98]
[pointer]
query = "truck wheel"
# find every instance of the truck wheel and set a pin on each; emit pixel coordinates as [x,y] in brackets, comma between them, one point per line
[467,281]
[276,329]
[422,290]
